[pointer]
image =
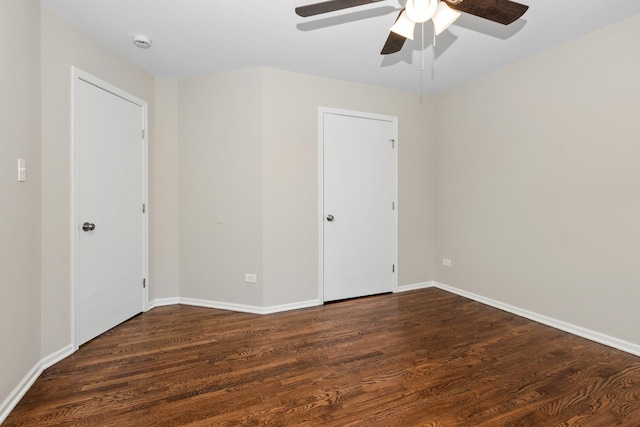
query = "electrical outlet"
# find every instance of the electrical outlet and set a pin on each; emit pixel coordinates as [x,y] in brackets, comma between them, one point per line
[447,262]
[251,278]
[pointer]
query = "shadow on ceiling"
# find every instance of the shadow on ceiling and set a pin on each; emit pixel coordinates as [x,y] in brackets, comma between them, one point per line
[346,18]
[446,39]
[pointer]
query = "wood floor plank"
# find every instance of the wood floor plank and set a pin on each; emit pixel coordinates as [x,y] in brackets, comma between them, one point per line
[421,358]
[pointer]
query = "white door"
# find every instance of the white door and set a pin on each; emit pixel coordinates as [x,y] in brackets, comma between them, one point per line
[359,201]
[110,258]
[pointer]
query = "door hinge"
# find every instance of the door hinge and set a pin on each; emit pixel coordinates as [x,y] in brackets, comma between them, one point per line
[393,206]
[393,268]
[393,143]
[144,208]
[142,135]
[144,283]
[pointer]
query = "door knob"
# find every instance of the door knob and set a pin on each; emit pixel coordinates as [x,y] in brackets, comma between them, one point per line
[87,226]
[330,218]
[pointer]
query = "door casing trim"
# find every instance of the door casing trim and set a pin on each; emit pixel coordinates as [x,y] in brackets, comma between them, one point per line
[78,75]
[336,111]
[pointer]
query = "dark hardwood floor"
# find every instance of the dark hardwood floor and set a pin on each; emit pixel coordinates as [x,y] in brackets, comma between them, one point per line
[421,358]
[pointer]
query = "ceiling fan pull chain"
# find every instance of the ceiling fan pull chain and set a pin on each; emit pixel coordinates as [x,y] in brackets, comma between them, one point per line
[434,35]
[422,70]
[433,59]
[422,52]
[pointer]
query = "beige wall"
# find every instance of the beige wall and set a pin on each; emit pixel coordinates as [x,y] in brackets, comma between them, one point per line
[537,183]
[164,240]
[248,152]
[290,178]
[19,201]
[220,155]
[63,46]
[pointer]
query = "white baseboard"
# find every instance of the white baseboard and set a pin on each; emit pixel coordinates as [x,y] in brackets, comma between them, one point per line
[413,287]
[221,305]
[292,306]
[161,302]
[248,308]
[554,323]
[54,358]
[25,384]
[18,393]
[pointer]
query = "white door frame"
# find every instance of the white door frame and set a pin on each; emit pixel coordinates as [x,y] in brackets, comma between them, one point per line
[321,113]
[77,76]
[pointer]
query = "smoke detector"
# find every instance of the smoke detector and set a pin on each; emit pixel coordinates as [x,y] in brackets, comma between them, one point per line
[143,42]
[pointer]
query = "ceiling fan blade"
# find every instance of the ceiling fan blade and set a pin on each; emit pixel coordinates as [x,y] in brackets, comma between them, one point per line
[501,11]
[330,6]
[394,42]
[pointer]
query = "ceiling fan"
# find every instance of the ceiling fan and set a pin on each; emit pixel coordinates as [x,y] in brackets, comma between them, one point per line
[442,12]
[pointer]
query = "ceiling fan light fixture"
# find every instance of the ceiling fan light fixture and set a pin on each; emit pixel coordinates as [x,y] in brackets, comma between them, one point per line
[444,17]
[420,11]
[404,26]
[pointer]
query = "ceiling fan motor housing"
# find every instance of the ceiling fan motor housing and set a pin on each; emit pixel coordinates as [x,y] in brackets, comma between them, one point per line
[420,11]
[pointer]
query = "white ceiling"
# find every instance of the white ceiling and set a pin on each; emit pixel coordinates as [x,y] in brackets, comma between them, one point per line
[199,37]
